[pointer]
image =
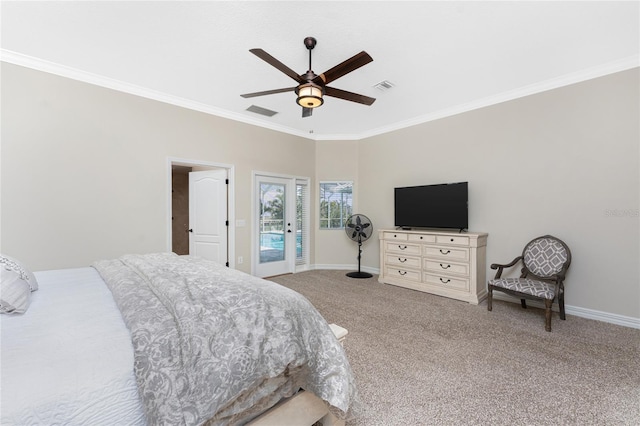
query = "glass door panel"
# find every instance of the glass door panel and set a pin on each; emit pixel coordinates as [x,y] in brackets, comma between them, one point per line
[272,222]
[275,224]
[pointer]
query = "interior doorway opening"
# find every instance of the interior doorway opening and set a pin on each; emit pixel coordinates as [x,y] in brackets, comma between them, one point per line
[180,209]
[183,238]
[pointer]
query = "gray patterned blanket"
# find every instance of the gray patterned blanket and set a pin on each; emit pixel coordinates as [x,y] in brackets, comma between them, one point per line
[217,346]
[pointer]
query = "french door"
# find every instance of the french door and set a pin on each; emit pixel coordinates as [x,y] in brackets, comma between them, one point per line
[275,227]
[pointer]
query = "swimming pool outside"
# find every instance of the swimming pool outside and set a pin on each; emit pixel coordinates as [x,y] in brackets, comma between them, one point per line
[272,245]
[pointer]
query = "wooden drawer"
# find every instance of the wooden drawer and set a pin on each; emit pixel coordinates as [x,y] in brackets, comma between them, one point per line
[452,240]
[449,253]
[405,262]
[406,274]
[418,238]
[446,267]
[403,249]
[397,236]
[447,281]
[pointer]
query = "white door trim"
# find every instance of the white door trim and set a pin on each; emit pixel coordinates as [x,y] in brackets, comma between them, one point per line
[231,200]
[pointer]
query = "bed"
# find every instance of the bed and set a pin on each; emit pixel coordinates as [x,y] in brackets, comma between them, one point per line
[167,339]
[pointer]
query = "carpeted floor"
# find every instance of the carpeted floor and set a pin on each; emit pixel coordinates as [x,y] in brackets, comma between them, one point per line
[421,359]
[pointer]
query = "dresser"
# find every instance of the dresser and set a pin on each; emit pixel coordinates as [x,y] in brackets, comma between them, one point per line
[449,264]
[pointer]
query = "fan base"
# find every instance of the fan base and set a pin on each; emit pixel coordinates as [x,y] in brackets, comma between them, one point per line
[359,275]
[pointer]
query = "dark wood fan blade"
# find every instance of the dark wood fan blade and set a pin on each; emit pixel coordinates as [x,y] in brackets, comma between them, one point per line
[306,112]
[348,96]
[345,67]
[277,64]
[268,92]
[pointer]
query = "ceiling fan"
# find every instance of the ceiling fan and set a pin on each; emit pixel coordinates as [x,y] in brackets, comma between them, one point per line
[312,87]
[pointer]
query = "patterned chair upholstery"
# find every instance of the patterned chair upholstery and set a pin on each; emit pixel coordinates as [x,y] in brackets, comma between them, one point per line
[545,262]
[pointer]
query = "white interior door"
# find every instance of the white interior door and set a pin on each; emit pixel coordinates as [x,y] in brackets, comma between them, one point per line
[274,226]
[208,215]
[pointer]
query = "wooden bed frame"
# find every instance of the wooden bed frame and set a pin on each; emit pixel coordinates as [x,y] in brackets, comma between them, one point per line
[303,408]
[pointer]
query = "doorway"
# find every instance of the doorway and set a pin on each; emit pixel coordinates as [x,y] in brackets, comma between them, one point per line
[208,221]
[200,210]
[281,224]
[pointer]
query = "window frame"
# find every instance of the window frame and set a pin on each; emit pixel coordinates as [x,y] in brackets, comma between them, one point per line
[303,210]
[345,212]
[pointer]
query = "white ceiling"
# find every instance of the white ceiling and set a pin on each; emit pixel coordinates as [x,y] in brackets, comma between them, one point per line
[444,57]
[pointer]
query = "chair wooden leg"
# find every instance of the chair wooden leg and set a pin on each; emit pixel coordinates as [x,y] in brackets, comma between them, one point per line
[523,302]
[561,305]
[489,298]
[547,314]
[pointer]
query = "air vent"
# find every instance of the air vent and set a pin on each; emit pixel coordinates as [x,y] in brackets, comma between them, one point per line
[262,111]
[384,85]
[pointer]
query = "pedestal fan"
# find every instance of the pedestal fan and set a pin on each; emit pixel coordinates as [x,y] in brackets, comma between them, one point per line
[359,228]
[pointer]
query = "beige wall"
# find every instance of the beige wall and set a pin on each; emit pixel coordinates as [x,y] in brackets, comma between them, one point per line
[563,162]
[84,169]
[336,161]
[84,175]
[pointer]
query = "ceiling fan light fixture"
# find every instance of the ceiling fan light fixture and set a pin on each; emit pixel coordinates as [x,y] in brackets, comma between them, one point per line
[309,95]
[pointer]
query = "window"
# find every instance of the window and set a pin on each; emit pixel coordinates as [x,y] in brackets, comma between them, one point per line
[336,204]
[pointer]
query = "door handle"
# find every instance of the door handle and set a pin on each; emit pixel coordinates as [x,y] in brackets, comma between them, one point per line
[190,230]
[289,230]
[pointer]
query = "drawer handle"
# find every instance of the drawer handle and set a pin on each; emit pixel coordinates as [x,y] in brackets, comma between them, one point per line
[444,282]
[445,252]
[402,247]
[445,267]
[402,272]
[402,260]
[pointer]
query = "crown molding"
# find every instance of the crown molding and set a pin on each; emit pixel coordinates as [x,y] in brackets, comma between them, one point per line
[532,89]
[109,83]
[554,83]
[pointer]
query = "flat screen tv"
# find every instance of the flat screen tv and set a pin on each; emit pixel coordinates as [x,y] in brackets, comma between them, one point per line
[432,206]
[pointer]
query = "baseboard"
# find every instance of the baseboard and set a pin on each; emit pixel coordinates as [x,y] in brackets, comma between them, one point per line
[622,320]
[354,267]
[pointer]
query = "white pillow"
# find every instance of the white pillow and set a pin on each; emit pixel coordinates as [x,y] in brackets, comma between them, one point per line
[15,293]
[11,264]
[16,285]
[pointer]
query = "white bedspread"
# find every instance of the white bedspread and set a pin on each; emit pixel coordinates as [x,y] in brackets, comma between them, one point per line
[68,359]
